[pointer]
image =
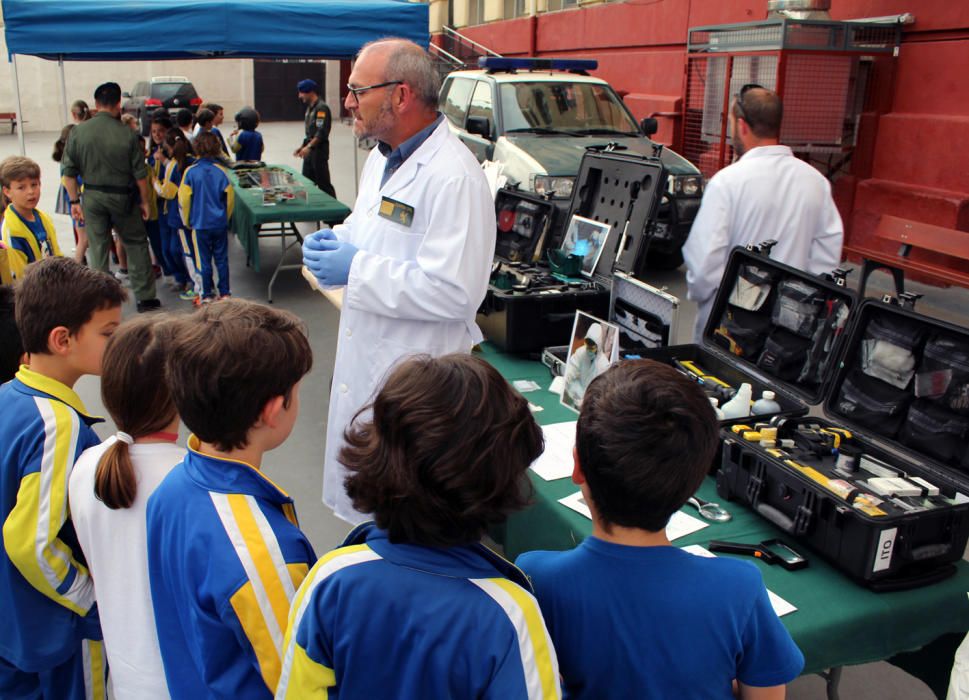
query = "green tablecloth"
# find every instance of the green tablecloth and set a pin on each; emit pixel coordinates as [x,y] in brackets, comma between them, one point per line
[837,623]
[250,214]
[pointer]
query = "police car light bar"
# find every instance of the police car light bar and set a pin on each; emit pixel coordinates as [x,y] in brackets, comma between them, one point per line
[496,64]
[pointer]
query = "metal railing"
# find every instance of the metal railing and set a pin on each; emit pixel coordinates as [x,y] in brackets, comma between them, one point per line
[463,48]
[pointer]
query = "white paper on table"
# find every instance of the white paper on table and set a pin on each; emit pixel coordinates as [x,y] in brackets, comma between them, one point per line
[556,461]
[781,606]
[680,525]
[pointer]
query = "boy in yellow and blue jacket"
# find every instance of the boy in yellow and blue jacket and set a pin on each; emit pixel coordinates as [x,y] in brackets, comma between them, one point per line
[28,234]
[206,198]
[65,313]
[225,553]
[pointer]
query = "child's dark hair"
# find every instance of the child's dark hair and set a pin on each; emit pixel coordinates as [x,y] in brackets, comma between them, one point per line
[61,292]
[204,118]
[137,397]
[207,145]
[80,110]
[15,168]
[228,360]
[184,118]
[179,147]
[61,143]
[444,453]
[11,347]
[163,119]
[645,440]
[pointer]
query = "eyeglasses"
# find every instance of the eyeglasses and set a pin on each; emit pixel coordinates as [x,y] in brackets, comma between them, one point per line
[739,98]
[357,91]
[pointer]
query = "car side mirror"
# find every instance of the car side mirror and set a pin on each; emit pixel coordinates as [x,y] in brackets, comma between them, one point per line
[126,94]
[480,126]
[649,126]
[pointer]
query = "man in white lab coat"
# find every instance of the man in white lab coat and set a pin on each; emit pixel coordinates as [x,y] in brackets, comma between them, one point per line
[415,253]
[767,194]
[586,363]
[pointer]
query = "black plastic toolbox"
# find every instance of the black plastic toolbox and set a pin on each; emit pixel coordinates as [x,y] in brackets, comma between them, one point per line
[528,307]
[896,407]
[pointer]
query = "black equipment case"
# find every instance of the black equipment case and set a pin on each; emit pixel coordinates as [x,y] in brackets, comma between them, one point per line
[527,307]
[896,422]
[746,345]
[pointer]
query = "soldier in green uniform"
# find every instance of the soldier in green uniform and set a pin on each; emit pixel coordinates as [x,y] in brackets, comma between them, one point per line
[111,163]
[315,150]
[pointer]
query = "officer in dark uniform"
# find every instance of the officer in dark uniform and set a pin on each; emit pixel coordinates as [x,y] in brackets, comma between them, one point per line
[109,159]
[315,150]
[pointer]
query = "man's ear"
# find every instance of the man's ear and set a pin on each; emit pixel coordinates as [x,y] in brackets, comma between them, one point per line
[578,477]
[269,415]
[59,341]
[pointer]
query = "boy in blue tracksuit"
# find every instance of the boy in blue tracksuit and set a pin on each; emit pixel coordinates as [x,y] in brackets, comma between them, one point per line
[245,141]
[65,314]
[175,156]
[28,234]
[206,198]
[225,554]
[414,606]
[678,625]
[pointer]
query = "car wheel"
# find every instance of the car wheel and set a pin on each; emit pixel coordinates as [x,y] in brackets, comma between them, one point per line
[664,261]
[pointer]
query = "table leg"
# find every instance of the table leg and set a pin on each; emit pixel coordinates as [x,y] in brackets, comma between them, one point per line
[282,256]
[832,678]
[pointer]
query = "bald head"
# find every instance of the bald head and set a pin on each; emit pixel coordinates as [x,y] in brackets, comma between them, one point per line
[407,62]
[762,110]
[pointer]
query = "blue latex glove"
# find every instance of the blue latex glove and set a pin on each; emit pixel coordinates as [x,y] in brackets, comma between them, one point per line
[329,260]
[312,241]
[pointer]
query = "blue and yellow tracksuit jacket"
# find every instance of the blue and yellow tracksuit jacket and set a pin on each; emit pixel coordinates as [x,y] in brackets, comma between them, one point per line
[166,187]
[225,557]
[205,196]
[22,245]
[45,589]
[375,619]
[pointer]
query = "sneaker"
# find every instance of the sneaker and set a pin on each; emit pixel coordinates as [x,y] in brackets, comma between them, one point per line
[122,277]
[148,305]
[187,294]
[224,296]
[199,301]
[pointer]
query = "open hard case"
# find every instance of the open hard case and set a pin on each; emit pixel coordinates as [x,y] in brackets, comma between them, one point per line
[878,485]
[528,305]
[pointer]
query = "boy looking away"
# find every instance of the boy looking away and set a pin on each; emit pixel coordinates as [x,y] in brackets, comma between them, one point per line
[28,233]
[629,614]
[225,554]
[65,313]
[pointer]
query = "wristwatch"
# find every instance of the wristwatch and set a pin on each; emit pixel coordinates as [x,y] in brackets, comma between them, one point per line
[75,201]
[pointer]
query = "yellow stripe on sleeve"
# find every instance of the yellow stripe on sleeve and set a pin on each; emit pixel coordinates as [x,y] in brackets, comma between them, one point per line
[249,612]
[307,678]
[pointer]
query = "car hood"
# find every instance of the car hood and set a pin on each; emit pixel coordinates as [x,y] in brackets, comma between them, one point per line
[561,155]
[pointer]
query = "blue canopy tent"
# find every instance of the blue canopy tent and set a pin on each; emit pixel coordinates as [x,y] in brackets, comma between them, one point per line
[98,30]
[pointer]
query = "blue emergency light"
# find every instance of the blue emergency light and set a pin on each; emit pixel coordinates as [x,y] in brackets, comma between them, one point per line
[496,64]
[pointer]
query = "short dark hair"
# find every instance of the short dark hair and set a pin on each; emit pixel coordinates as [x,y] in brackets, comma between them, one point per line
[207,145]
[443,452]
[107,94]
[762,110]
[11,347]
[184,117]
[645,440]
[14,168]
[204,117]
[228,360]
[61,292]
[163,119]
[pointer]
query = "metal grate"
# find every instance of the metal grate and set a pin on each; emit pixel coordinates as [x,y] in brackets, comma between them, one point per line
[800,35]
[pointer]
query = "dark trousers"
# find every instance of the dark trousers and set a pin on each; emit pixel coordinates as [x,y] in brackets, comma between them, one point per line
[154,239]
[316,166]
[213,244]
[171,248]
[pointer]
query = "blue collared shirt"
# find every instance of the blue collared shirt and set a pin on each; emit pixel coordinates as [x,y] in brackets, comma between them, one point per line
[397,156]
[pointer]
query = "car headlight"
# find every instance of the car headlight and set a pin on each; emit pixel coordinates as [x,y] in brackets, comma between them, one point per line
[686,185]
[560,187]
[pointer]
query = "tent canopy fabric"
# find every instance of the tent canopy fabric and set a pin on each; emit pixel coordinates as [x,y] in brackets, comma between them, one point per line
[97,30]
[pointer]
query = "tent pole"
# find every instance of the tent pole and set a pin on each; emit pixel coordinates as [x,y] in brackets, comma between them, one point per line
[20,109]
[67,114]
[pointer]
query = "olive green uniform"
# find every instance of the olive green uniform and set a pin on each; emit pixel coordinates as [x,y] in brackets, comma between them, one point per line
[316,165]
[109,159]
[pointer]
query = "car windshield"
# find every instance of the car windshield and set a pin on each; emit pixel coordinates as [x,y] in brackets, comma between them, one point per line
[556,107]
[164,91]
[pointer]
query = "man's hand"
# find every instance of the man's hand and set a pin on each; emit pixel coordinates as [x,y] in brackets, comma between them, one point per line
[78,213]
[313,241]
[144,211]
[298,152]
[328,259]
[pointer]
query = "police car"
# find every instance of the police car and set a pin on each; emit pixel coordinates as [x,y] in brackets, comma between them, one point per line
[538,116]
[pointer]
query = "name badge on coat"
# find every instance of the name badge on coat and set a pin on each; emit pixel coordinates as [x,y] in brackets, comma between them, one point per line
[395,211]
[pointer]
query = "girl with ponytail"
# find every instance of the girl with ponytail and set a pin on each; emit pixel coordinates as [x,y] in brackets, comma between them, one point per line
[109,489]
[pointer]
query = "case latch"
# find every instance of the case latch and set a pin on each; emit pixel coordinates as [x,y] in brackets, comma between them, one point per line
[839,275]
[805,514]
[906,300]
[755,482]
[762,248]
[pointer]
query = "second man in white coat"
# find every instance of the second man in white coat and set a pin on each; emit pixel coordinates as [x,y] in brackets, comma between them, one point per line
[415,253]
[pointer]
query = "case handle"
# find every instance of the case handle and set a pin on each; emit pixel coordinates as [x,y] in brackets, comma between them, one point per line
[775,516]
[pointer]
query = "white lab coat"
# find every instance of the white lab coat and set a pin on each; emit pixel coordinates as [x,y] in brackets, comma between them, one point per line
[584,366]
[766,194]
[411,289]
